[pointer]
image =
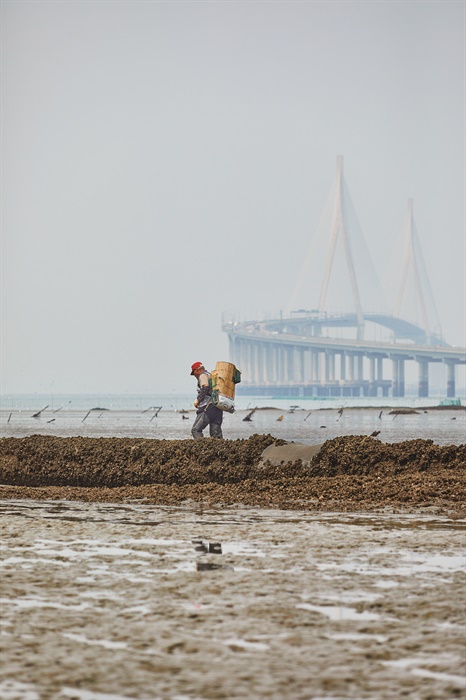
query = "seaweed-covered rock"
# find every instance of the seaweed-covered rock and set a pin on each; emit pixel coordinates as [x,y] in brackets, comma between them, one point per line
[347,473]
[359,454]
[77,461]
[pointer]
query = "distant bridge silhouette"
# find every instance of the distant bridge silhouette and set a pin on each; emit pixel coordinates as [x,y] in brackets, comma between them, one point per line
[295,354]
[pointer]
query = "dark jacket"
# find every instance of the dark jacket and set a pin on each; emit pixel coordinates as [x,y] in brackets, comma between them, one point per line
[203,393]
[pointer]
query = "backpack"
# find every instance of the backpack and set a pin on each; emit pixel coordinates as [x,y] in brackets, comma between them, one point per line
[222,382]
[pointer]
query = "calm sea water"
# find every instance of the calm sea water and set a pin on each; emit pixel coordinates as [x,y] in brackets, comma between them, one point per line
[177,402]
[310,421]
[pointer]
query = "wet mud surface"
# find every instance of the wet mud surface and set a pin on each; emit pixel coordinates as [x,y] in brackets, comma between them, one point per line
[349,472]
[127,601]
[141,569]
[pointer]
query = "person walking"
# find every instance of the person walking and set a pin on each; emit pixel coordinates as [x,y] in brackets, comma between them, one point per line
[207,413]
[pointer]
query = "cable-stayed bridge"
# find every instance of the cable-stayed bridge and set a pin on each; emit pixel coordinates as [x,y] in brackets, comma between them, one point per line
[322,351]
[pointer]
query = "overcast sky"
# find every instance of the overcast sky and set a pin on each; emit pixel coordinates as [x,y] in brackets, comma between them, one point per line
[165,162]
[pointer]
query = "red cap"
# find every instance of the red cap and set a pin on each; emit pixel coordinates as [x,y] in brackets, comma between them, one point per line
[196,366]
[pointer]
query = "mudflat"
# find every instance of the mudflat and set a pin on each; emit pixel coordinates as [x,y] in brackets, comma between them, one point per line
[107,601]
[139,569]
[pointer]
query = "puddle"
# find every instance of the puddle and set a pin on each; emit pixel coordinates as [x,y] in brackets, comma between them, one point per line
[339,613]
[105,643]
[414,666]
[209,566]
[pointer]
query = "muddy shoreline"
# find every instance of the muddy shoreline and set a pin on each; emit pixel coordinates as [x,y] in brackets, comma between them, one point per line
[351,473]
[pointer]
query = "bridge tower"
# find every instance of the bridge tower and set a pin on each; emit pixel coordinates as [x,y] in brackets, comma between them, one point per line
[340,232]
[414,283]
[338,275]
[414,274]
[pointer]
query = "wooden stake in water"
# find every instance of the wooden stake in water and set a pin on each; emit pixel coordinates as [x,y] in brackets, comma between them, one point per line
[36,415]
[249,416]
[159,408]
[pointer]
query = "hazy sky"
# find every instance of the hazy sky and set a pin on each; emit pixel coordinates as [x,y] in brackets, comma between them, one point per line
[165,162]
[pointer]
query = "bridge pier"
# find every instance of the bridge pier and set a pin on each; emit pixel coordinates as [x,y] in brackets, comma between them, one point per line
[376,380]
[385,386]
[372,382]
[314,366]
[329,366]
[289,354]
[256,362]
[360,367]
[380,368]
[343,366]
[398,380]
[300,366]
[280,364]
[267,363]
[395,378]
[423,390]
[451,388]
[252,362]
[261,363]
[401,378]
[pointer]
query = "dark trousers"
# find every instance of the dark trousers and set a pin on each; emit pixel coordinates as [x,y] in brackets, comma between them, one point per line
[212,417]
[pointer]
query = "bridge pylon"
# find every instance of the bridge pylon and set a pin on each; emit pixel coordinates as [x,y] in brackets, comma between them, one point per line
[338,276]
[340,232]
[414,275]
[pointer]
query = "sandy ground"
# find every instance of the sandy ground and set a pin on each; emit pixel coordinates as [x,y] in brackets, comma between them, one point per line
[111,601]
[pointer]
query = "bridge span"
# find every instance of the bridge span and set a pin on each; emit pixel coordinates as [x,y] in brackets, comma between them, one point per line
[290,357]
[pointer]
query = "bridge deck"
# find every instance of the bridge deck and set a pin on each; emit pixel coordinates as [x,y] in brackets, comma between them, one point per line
[274,354]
